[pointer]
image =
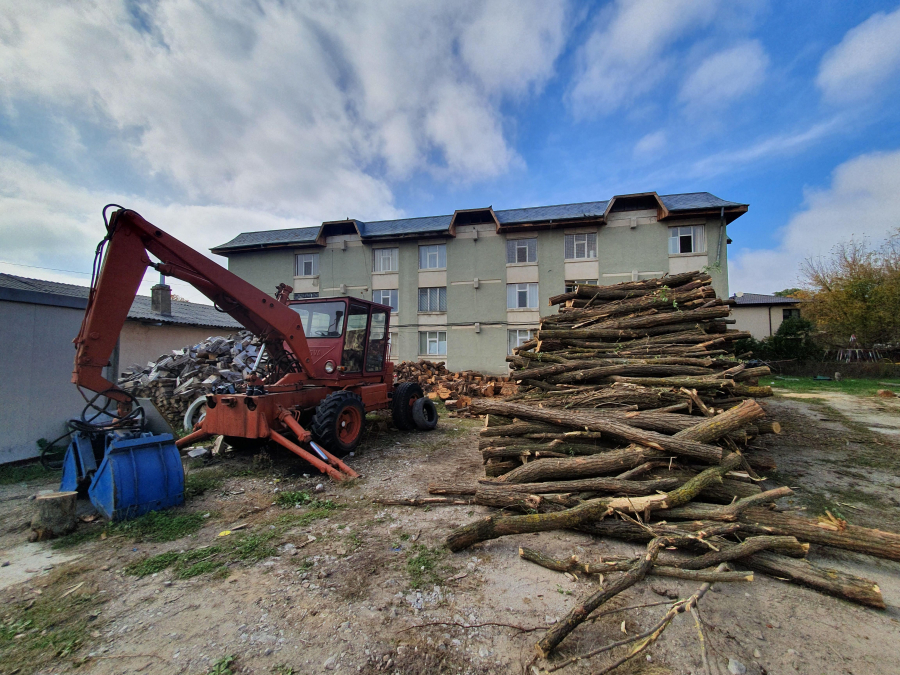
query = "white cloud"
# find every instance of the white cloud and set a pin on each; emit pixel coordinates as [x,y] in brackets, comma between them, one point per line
[259,115]
[275,103]
[724,77]
[650,144]
[624,57]
[863,200]
[867,58]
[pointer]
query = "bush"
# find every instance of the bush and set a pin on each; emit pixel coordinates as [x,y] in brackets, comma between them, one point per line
[792,341]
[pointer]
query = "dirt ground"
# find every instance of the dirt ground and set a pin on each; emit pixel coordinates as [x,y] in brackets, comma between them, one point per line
[337,583]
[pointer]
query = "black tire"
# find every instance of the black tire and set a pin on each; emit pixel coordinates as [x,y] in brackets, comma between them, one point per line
[401,408]
[424,414]
[339,422]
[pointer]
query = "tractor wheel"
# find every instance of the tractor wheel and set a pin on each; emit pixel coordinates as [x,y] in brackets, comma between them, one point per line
[424,414]
[405,395]
[339,422]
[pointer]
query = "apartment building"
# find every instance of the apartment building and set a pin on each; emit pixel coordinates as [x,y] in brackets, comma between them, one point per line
[468,287]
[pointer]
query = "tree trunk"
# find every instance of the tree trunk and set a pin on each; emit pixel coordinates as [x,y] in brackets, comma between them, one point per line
[55,515]
[878,543]
[830,581]
[615,485]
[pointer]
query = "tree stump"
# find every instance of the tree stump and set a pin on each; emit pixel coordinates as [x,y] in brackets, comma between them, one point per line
[55,516]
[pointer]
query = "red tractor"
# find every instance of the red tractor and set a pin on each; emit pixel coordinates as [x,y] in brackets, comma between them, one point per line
[326,361]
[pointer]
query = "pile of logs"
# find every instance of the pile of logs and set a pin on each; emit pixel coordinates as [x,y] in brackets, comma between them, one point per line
[635,421]
[637,344]
[175,380]
[675,480]
[455,389]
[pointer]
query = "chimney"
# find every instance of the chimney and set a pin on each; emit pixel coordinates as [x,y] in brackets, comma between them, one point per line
[161,298]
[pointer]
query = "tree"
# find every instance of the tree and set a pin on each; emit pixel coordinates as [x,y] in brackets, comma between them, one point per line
[788,292]
[856,291]
[792,341]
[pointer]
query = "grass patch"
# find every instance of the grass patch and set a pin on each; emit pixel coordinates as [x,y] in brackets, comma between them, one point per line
[809,385]
[422,565]
[222,666]
[36,631]
[83,534]
[291,498]
[159,526]
[26,473]
[152,565]
[201,481]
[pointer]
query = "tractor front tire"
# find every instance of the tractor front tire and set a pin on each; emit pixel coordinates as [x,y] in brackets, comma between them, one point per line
[405,395]
[339,422]
[425,414]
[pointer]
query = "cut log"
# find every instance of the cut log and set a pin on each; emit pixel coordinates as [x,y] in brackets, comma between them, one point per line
[55,515]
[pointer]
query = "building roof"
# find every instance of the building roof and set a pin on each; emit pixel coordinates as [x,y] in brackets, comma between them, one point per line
[444,225]
[745,299]
[42,292]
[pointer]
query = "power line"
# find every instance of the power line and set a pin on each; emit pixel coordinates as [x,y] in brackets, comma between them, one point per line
[56,269]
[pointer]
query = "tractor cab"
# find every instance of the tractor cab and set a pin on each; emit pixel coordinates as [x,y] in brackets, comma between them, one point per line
[347,337]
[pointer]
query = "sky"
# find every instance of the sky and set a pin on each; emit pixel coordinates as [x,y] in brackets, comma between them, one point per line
[211,118]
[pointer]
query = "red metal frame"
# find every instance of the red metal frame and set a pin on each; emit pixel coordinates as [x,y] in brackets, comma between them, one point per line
[131,239]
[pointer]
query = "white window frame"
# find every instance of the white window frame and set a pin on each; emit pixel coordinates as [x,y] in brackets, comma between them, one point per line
[435,296]
[392,345]
[393,298]
[514,296]
[385,260]
[525,248]
[434,342]
[521,335]
[301,260]
[584,243]
[697,234]
[571,283]
[431,257]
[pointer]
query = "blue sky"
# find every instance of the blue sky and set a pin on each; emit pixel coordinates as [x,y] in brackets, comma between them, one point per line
[212,118]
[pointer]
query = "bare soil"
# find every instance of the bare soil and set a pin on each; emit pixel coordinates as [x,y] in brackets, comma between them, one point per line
[375,592]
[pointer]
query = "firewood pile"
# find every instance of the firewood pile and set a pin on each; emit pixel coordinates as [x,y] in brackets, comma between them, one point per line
[455,389]
[175,380]
[635,421]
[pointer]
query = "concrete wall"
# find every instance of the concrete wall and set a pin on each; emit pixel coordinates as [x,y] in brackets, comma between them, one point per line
[760,320]
[631,245]
[36,394]
[140,343]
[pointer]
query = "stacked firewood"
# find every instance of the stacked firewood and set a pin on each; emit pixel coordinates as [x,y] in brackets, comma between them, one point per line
[640,343]
[455,389]
[175,380]
[635,421]
[676,480]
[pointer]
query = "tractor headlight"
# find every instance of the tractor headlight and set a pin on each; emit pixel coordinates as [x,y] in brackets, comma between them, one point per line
[329,367]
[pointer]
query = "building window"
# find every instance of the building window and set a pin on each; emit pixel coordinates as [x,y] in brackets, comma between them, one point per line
[687,239]
[521,296]
[385,260]
[433,299]
[518,337]
[306,265]
[433,257]
[790,314]
[521,251]
[388,298]
[570,285]
[433,343]
[581,246]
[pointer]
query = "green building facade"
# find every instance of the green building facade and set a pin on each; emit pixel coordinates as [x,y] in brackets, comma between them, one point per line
[466,288]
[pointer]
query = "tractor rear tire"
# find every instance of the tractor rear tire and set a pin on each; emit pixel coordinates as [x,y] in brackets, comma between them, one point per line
[425,414]
[405,395]
[339,422]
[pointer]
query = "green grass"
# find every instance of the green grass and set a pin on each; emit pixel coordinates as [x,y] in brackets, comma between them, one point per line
[200,481]
[159,526]
[422,565]
[289,499]
[26,473]
[47,627]
[808,385]
[222,666]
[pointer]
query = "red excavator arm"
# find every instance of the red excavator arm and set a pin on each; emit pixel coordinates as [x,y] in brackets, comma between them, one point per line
[130,239]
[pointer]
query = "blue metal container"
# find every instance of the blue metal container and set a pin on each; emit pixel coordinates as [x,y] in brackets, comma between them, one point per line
[138,475]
